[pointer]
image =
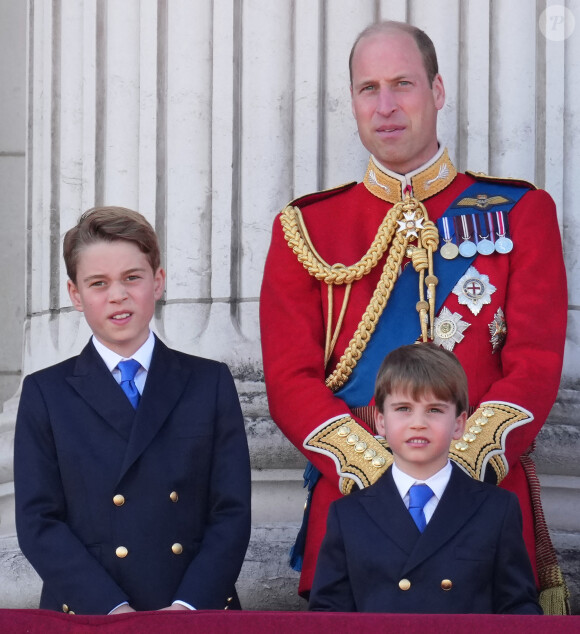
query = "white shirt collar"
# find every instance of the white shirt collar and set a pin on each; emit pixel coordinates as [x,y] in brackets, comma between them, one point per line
[406,178]
[437,482]
[111,359]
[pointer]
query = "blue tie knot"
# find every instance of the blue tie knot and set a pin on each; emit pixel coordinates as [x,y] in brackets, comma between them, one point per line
[419,495]
[128,371]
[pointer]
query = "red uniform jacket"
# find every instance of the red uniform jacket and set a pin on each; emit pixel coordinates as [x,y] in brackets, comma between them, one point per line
[530,289]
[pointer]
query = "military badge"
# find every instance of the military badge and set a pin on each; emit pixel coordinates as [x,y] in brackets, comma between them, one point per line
[503,243]
[498,331]
[449,250]
[449,329]
[482,201]
[465,229]
[410,224]
[474,290]
[374,181]
[482,235]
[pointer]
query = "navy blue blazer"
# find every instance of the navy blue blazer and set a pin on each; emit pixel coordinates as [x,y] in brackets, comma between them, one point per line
[471,557]
[143,506]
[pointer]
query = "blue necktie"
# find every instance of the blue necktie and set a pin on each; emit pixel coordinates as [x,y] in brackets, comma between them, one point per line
[128,371]
[419,495]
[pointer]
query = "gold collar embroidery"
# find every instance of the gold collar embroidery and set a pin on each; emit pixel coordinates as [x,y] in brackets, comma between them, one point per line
[426,183]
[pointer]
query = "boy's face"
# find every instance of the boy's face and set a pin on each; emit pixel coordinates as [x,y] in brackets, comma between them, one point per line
[419,431]
[117,289]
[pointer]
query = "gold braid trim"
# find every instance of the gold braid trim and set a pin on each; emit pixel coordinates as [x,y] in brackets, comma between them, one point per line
[296,234]
[429,237]
[394,232]
[485,433]
[362,459]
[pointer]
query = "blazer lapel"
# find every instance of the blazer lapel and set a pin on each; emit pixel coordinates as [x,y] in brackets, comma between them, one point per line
[92,380]
[386,508]
[165,383]
[459,502]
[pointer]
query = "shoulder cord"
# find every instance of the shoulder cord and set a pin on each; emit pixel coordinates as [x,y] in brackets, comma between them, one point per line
[296,234]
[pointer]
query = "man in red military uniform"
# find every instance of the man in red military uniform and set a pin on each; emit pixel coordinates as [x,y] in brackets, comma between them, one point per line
[415,252]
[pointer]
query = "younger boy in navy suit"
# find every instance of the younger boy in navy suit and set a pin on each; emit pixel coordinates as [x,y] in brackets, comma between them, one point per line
[131,465]
[426,537]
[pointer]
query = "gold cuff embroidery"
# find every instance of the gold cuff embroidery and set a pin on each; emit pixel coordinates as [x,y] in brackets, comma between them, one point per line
[484,439]
[360,457]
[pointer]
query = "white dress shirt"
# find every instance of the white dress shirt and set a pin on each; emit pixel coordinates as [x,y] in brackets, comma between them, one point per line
[437,483]
[143,356]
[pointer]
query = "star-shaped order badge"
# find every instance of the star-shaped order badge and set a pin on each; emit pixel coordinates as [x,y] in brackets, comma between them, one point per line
[448,329]
[410,224]
[498,331]
[474,290]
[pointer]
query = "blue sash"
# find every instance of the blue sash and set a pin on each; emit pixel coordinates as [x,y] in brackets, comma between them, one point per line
[395,326]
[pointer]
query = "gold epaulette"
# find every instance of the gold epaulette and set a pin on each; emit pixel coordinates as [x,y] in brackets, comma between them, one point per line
[360,458]
[323,194]
[484,439]
[515,182]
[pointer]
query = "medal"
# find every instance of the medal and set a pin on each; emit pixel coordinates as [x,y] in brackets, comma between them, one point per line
[410,225]
[449,329]
[474,290]
[467,248]
[484,245]
[503,244]
[449,250]
[498,331]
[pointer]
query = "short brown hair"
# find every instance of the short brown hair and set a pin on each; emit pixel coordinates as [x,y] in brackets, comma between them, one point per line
[109,224]
[423,41]
[421,369]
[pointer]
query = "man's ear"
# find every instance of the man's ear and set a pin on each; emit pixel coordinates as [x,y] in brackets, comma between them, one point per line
[75,296]
[438,91]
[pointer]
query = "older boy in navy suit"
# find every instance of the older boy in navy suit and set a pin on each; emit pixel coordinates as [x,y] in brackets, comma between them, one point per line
[435,540]
[131,463]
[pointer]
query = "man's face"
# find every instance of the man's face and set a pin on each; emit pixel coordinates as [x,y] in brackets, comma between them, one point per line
[394,104]
[419,431]
[116,289]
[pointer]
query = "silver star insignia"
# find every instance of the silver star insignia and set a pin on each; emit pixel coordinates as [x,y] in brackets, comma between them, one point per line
[410,224]
[474,290]
[449,328]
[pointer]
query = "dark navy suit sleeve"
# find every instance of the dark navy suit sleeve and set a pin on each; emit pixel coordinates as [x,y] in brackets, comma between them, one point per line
[60,558]
[331,589]
[514,589]
[212,573]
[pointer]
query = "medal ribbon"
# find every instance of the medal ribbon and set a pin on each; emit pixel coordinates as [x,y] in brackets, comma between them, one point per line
[477,230]
[501,224]
[490,230]
[466,233]
[446,229]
